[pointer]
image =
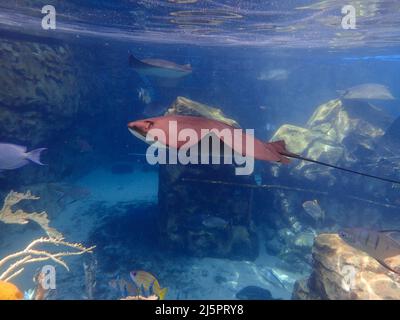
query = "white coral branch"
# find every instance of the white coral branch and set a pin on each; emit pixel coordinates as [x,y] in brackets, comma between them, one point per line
[31,255]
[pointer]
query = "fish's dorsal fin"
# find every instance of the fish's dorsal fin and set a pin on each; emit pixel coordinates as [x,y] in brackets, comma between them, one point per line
[135,62]
[21,149]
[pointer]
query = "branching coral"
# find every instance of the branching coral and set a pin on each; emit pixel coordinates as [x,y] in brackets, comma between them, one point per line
[21,217]
[31,254]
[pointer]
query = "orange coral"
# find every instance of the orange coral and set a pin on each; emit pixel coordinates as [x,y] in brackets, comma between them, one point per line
[9,291]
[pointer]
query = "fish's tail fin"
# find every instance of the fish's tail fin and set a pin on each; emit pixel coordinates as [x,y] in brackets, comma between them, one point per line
[34,156]
[163,293]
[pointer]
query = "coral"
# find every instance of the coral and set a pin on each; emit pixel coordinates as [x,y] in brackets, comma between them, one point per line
[31,254]
[7,215]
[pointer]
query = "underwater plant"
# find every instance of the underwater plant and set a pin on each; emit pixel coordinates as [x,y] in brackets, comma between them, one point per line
[7,215]
[32,254]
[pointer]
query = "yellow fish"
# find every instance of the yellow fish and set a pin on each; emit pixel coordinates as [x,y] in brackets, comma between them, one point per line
[147,281]
[9,291]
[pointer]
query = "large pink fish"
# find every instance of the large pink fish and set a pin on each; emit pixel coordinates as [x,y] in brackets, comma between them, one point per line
[267,151]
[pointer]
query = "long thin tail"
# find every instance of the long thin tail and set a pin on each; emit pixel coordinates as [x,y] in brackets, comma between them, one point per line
[295,156]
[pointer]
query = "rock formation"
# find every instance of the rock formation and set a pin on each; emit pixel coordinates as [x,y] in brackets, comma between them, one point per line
[341,272]
[40,91]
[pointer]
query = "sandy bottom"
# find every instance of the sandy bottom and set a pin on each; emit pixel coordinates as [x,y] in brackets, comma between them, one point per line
[186,278]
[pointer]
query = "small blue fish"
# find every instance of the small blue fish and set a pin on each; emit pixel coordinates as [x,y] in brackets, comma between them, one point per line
[13,156]
[29,295]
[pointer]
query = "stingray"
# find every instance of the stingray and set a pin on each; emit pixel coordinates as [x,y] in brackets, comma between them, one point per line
[367,91]
[267,151]
[159,68]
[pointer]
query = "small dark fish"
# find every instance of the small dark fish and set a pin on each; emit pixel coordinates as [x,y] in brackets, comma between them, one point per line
[380,245]
[254,293]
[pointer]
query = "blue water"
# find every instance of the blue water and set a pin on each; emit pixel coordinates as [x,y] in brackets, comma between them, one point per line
[263,63]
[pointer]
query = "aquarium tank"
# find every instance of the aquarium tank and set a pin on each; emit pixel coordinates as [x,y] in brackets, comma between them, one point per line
[199,149]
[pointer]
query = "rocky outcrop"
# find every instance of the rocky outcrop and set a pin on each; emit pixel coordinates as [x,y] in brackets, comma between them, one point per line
[39,92]
[185,106]
[341,272]
[345,133]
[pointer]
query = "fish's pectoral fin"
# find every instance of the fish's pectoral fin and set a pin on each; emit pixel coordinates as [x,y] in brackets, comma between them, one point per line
[163,293]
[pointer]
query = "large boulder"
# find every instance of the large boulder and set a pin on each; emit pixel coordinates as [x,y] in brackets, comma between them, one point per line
[341,272]
[184,106]
[340,132]
[343,133]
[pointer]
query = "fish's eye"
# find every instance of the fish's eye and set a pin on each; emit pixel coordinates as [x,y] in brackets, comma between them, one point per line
[149,124]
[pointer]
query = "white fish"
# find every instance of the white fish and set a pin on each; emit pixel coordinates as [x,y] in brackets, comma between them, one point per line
[314,210]
[215,223]
[159,68]
[367,91]
[144,95]
[274,75]
[13,156]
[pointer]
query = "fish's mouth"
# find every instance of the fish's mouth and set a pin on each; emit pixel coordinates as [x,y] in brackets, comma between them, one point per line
[137,132]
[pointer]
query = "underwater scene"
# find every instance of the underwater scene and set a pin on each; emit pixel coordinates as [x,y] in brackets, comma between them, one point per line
[199,149]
